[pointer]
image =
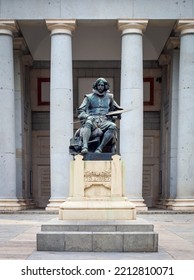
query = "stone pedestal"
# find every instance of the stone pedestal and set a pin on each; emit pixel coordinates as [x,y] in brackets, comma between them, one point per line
[97,191]
[97,217]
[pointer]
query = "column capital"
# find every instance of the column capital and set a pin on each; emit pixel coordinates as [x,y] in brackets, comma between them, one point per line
[61,26]
[185,26]
[19,44]
[132,26]
[8,27]
[164,59]
[27,60]
[173,43]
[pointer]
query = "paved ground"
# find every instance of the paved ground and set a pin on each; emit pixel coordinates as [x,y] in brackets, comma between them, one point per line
[18,238]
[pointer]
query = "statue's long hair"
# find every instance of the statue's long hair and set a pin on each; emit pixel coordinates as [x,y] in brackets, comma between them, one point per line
[106,84]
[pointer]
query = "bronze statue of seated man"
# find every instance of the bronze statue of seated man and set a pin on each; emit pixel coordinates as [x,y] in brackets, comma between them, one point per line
[98,131]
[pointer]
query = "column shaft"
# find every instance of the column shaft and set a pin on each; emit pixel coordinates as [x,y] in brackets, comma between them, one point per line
[7,116]
[173,124]
[168,135]
[185,179]
[61,110]
[18,123]
[185,141]
[131,127]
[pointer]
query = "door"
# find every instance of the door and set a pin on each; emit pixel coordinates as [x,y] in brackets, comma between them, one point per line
[41,167]
[151,167]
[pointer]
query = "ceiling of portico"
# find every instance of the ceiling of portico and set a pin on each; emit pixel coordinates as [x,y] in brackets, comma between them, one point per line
[95,40]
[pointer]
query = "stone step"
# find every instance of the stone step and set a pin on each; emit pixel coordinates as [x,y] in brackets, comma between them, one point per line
[98,227]
[78,241]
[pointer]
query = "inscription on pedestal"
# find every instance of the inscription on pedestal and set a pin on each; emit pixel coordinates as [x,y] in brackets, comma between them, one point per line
[92,176]
[97,183]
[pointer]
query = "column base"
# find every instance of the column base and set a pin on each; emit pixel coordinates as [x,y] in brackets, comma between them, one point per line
[139,204]
[177,204]
[54,204]
[15,204]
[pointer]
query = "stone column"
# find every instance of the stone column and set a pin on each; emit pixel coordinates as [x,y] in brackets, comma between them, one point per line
[8,199]
[19,47]
[131,126]
[61,109]
[164,62]
[19,88]
[185,145]
[171,162]
[27,62]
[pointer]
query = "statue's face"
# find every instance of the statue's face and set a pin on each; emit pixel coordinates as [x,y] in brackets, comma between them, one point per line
[100,87]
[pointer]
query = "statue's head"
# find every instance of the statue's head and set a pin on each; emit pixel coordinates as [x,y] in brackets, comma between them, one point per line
[101,85]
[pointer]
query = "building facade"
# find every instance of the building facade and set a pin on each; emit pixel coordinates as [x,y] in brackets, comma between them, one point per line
[52,51]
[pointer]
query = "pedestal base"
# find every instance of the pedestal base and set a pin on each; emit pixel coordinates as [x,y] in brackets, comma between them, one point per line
[93,209]
[98,236]
[97,217]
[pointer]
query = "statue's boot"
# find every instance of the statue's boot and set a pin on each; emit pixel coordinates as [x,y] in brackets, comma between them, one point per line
[108,135]
[86,136]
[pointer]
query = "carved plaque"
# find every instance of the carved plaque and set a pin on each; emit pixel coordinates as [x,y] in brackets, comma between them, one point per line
[97,183]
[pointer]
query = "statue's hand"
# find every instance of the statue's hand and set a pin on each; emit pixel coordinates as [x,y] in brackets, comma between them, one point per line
[83,116]
[91,118]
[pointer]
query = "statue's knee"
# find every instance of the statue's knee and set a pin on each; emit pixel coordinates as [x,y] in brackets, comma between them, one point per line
[113,126]
[88,124]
